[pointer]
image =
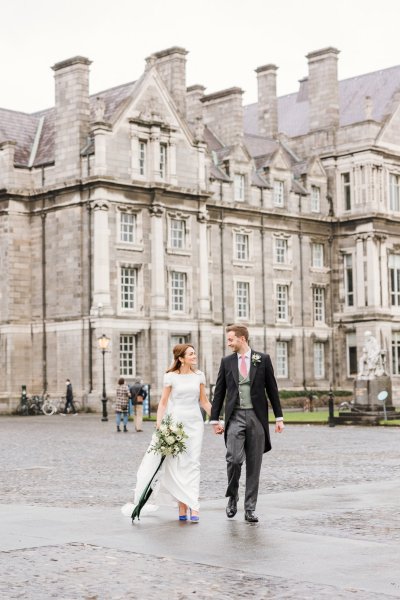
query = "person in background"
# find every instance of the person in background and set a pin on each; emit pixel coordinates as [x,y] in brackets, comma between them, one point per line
[138,395]
[69,398]
[122,404]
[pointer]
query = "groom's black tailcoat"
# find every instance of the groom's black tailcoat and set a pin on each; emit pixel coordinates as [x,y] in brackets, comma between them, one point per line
[262,384]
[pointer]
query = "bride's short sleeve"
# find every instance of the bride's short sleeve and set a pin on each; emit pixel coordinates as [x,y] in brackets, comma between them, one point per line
[168,380]
[202,377]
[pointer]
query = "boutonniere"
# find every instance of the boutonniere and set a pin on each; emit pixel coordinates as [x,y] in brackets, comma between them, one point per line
[255,359]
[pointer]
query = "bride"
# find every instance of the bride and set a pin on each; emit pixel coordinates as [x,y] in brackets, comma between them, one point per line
[183,394]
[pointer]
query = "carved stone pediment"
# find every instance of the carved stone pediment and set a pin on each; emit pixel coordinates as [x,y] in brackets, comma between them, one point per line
[151,108]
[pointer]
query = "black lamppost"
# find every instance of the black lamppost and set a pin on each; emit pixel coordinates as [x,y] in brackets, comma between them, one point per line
[103,342]
[331,408]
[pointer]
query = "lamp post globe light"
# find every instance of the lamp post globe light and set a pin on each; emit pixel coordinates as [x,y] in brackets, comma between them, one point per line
[103,342]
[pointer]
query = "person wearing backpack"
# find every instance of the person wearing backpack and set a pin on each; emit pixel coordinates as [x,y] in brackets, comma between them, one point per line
[138,395]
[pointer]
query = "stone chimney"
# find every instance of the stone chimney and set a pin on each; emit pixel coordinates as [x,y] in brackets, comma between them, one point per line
[223,113]
[72,113]
[171,65]
[323,88]
[267,100]
[194,107]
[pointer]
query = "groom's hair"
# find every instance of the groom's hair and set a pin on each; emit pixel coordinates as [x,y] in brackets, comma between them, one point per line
[239,331]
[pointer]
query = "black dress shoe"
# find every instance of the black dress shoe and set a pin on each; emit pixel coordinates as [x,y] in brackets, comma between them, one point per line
[231,508]
[250,516]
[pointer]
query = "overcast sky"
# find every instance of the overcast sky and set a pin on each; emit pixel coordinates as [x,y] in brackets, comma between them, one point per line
[226,40]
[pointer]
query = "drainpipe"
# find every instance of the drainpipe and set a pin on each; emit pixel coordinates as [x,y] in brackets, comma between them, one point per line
[330,241]
[44,306]
[222,226]
[263,280]
[89,250]
[302,299]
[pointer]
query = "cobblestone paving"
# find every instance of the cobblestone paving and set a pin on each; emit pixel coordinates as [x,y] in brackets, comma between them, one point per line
[87,572]
[80,461]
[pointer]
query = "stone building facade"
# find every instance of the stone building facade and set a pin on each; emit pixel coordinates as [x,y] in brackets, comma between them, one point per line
[157,214]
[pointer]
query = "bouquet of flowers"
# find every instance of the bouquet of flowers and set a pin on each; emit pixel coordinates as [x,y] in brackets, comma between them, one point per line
[169,439]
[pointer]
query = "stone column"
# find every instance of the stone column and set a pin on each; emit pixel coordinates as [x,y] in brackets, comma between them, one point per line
[204,292]
[359,273]
[101,260]
[158,299]
[155,154]
[384,272]
[171,163]
[135,174]
[100,130]
[202,178]
[373,272]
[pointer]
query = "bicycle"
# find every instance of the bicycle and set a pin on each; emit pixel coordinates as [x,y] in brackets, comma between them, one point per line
[50,407]
[30,406]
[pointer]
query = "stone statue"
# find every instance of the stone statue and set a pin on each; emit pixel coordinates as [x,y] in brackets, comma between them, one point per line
[372,360]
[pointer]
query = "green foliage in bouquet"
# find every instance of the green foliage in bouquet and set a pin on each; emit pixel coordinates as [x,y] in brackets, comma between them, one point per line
[169,438]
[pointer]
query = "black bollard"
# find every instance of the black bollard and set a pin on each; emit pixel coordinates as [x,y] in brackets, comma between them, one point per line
[331,408]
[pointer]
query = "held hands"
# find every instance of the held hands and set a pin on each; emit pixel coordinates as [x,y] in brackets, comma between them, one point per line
[279,426]
[219,428]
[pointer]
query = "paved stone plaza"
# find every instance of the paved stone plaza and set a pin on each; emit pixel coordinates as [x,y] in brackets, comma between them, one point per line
[329,518]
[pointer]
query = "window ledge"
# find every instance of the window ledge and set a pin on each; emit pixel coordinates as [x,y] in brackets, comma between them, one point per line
[131,247]
[282,267]
[242,263]
[179,252]
[320,270]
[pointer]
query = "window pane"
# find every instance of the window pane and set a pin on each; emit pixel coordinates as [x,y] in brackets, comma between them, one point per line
[163,160]
[319,304]
[282,302]
[281,246]
[315,198]
[242,246]
[177,233]
[126,355]
[278,193]
[348,281]
[142,157]
[396,353]
[346,188]
[317,255]
[128,287]
[239,187]
[242,299]
[127,228]
[178,291]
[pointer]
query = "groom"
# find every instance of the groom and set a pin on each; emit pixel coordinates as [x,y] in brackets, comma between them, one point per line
[245,379]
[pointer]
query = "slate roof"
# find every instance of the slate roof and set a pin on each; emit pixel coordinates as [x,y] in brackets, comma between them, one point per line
[293,114]
[22,127]
[293,109]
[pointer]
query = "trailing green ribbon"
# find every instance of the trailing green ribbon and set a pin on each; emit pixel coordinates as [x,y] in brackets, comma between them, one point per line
[148,490]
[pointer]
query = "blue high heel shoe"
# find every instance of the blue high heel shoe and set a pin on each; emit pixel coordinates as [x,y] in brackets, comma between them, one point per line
[183,517]
[193,518]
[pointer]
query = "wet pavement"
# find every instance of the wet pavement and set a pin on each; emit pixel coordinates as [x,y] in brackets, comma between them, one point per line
[329,517]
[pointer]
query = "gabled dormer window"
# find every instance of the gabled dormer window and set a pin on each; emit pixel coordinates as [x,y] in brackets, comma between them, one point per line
[142,157]
[163,161]
[278,193]
[315,199]
[239,184]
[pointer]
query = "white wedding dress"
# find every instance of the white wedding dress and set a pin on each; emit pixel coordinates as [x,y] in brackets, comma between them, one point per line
[179,476]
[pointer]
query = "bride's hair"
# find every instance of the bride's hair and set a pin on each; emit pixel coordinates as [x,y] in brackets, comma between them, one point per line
[179,352]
